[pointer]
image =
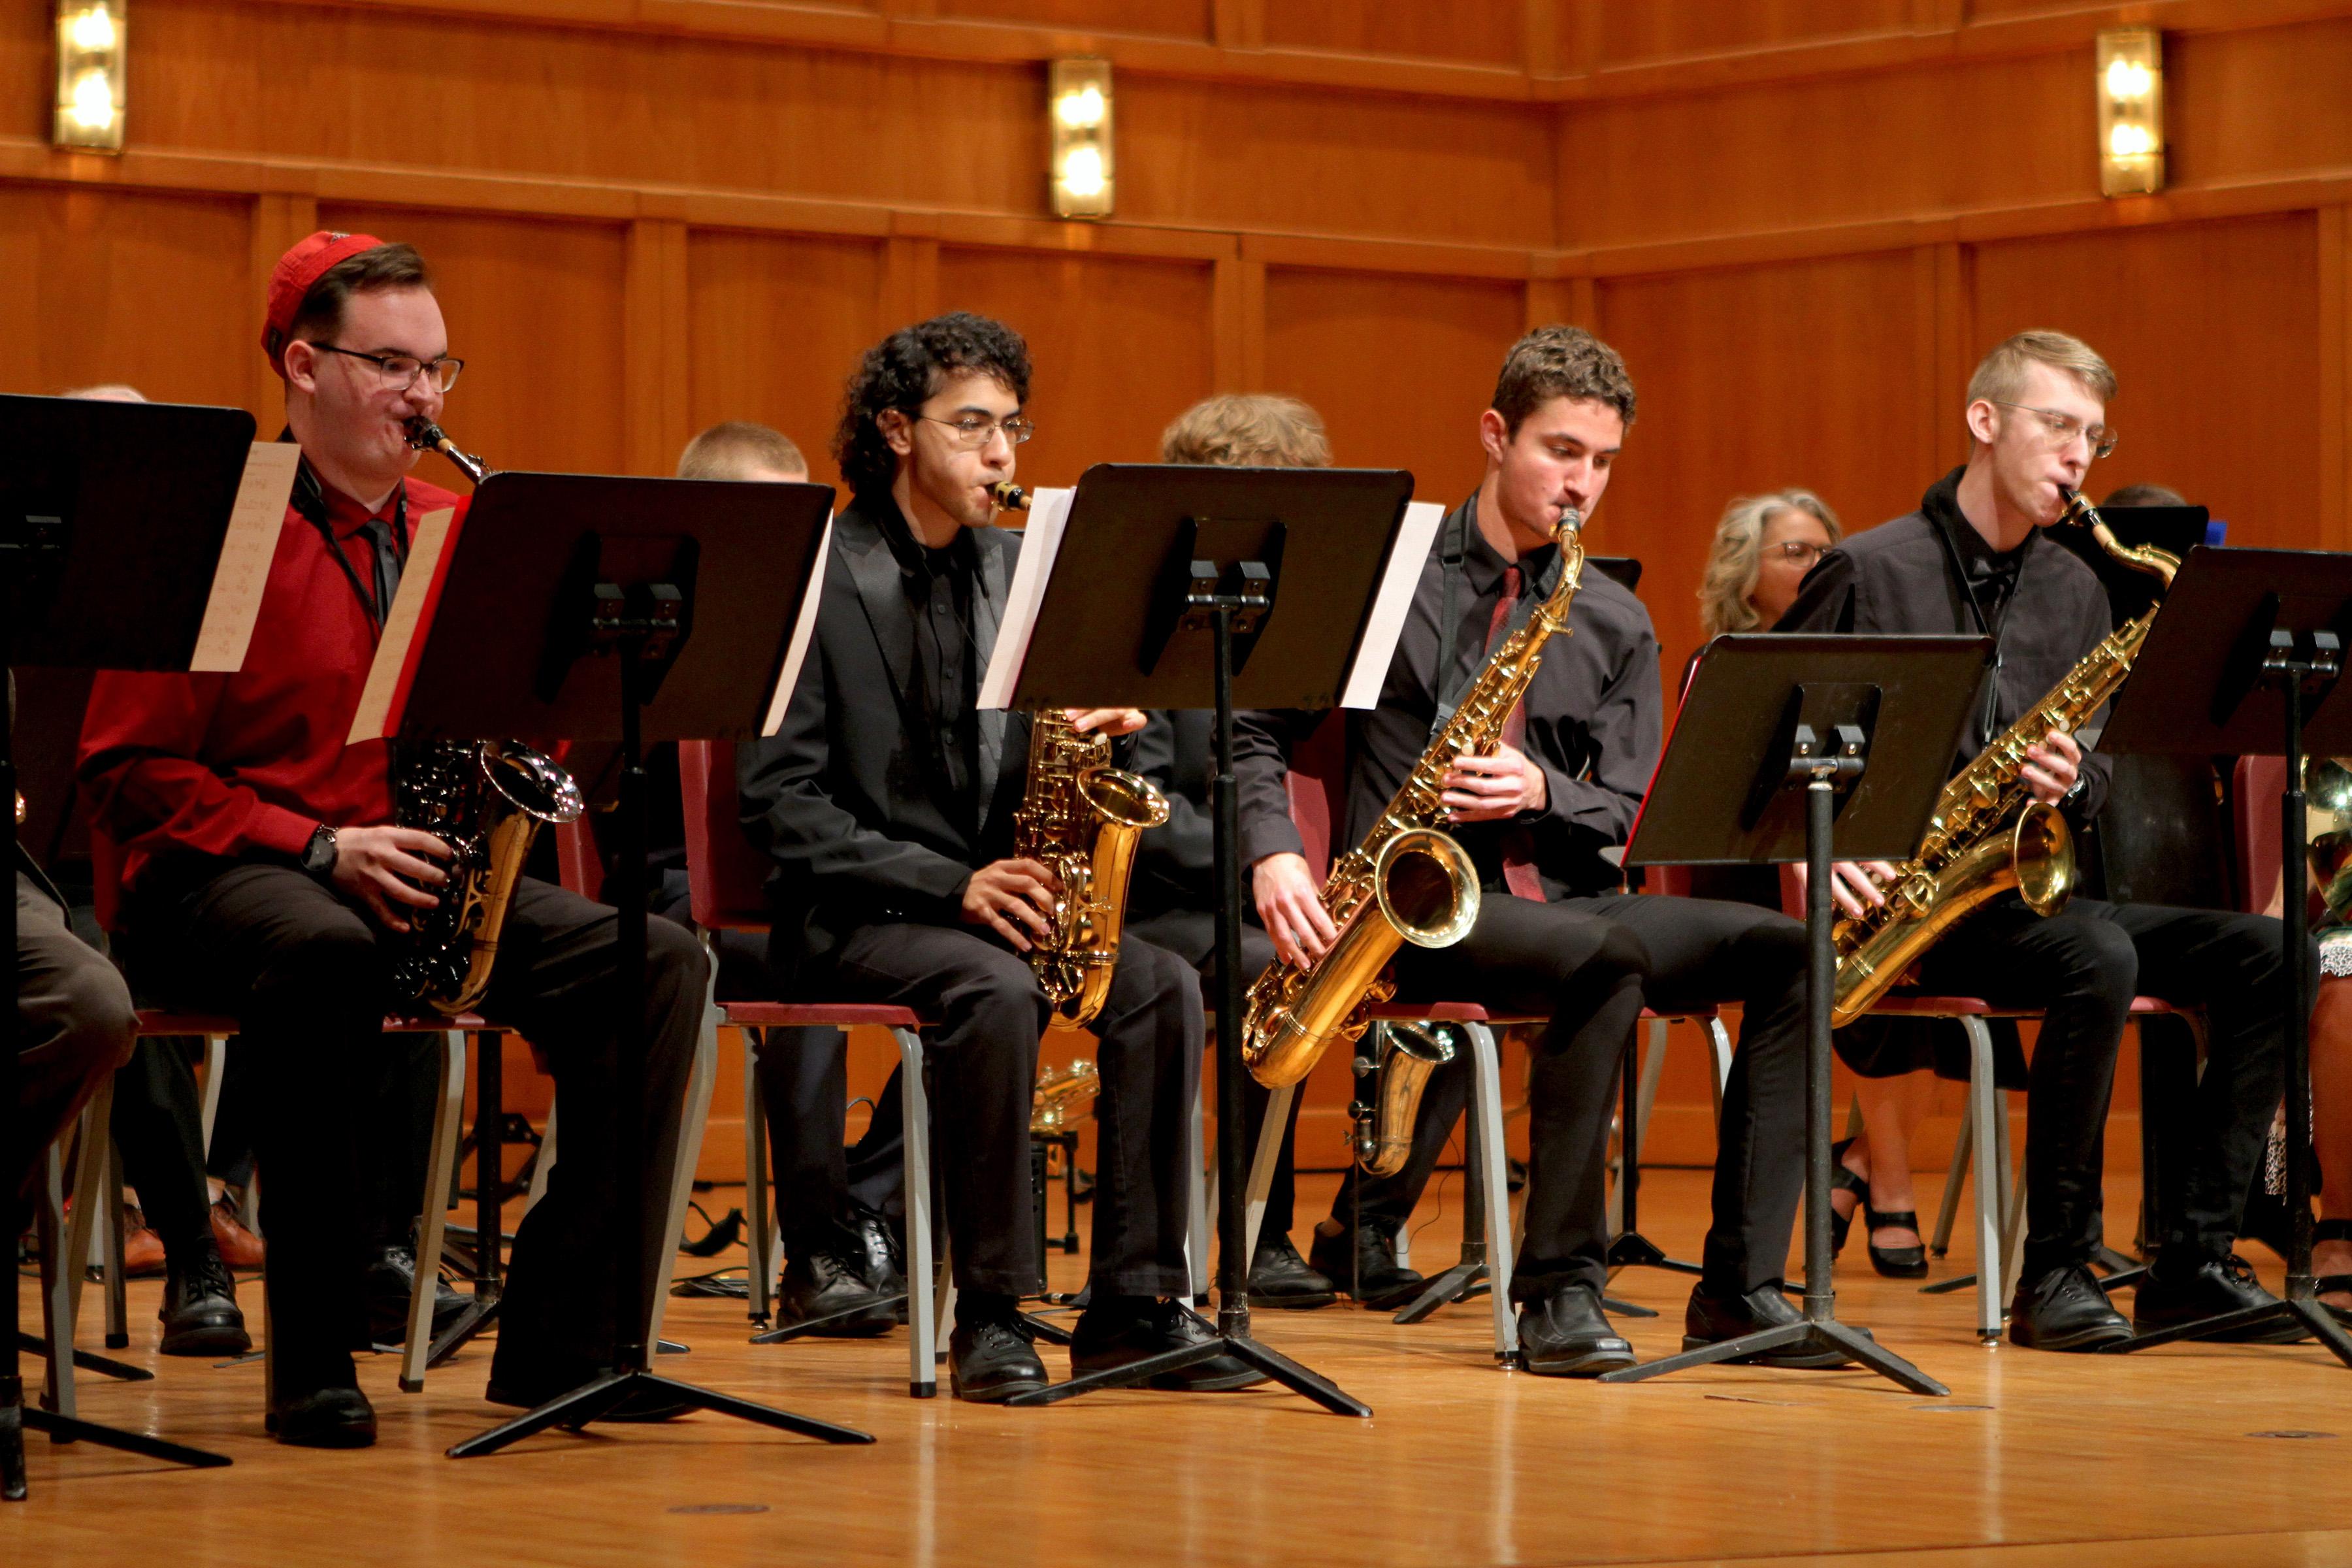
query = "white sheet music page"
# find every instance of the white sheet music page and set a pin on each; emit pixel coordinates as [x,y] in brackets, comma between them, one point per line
[804,628]
[395,650]
[238,581]
[1389,607]
[1049,513]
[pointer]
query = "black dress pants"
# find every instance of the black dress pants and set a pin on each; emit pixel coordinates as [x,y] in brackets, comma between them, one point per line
[1588,965]
[2081,968]
[305,974]
[820,1185]
[983,1070]
[74,1027]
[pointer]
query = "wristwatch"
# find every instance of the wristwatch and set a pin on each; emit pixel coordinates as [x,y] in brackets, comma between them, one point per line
[319,855]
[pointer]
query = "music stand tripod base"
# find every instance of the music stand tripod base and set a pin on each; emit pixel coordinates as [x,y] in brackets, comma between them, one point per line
[1273,1364]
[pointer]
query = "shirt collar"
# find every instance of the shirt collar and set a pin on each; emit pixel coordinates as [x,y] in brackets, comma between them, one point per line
[1483,565]
[1978,558]
[914,557]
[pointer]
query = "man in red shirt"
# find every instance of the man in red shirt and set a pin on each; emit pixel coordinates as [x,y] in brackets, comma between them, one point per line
[260,872]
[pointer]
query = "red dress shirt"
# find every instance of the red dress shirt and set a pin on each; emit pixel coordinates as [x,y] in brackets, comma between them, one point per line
[229,764]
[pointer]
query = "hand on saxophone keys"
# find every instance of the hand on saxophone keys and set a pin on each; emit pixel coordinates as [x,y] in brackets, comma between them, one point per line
[379,866]
[1006,891]
[2052,767]
[1104,721]
[1855,884]
[1290,907]
[1490,787]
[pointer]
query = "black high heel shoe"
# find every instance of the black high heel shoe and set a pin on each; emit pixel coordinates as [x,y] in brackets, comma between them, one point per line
[2330,1284]
[1894,1262]
[1842,1180]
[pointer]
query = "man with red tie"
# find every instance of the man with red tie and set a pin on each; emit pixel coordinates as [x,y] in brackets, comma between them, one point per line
[1555,936]
[260,873]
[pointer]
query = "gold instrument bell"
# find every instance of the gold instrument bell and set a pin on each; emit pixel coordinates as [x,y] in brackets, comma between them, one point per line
[2327,829]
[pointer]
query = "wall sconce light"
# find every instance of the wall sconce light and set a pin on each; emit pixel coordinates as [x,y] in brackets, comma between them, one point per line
[1080,112]
[90,55]
[2131,112]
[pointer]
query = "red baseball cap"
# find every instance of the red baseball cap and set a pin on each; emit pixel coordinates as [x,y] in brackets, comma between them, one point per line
[297,273]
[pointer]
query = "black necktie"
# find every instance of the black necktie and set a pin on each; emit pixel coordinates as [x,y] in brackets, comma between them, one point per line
[387,565]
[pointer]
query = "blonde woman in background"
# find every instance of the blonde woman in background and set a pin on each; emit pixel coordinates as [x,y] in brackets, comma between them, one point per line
[1763,548]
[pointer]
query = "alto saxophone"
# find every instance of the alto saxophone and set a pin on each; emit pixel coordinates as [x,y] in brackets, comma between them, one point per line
[1080,818]
[486,800]
[1409,880]
[1988,835]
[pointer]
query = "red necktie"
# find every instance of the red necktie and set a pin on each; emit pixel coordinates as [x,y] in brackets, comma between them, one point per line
[1518,843]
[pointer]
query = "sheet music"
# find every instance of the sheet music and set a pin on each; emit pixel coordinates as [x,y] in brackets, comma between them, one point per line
[1049,513]
[1390,604]
[374,720]
[804,628]
[243,575]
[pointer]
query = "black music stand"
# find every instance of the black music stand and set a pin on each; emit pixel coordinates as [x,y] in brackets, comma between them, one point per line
[2243,661]
[1182,586]
[113,516]
[1823,748]
[585,608]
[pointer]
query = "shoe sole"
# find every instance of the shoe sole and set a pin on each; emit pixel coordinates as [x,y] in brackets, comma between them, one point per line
[997,1392]
[2088,1340]
[2292,1334]
[1591,1364]
[206,1341]
[1185,1382]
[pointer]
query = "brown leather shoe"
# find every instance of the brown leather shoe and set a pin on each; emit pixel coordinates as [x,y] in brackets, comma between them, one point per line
[142,1249]
[239,1248]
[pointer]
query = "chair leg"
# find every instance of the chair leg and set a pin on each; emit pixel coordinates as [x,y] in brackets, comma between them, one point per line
[215,1060]
[699,1086]
[760,1262]
[84,1245]
[1263,1159]
[1197,1230]
[58,1269]
[1949,1207]
[922,1319]
[1487,1105]
[545,1163]
[110,1221]
[1991,1169]
[448,1117]
[1718,1044]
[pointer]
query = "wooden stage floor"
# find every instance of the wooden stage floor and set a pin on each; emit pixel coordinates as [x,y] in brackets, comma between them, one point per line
[2188,1456]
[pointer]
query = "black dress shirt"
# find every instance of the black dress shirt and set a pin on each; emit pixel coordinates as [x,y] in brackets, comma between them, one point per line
[1593,720]
[1929,571]
[939,587]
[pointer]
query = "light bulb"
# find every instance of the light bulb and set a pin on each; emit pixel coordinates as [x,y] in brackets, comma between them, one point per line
[2128,80]
[92,30]
[93,101]
[2130,142]
[1082,172]
[1080,110]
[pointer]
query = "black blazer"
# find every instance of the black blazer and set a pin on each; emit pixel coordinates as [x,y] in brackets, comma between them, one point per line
[840,799]
[1176,863]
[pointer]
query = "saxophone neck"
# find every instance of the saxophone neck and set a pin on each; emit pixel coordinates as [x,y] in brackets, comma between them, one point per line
[2159,564]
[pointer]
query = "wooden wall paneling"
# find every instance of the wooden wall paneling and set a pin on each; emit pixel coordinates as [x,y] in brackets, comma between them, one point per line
[27,57]
[2335,318]
[911,280]
[2226,97]
[1118,346]
[1399,367]
[2210,330]
[124,286]
[1490,32]
[1237,24]
[1240,309]
[279,220]
[1940,352]
[654,348]
[537,311]
[1660,29]
[1756,380]
[1162,18]
[778,323]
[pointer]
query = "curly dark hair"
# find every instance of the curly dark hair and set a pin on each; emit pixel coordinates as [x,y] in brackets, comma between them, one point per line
[1561,360]
[906,369]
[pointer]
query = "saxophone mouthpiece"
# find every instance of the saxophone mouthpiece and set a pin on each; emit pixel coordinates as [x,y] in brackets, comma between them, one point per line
[427,436]
[423,434]
[1009,497]
[1572,520]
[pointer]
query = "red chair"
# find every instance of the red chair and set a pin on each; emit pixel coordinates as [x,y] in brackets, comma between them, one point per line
[727,885]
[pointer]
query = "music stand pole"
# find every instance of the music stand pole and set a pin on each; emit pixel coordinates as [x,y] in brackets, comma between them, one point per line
[1233,1337]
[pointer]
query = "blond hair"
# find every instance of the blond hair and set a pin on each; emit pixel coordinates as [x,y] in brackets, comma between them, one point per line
[2001,374]
[1247,430]
[1732,566]
[737,450]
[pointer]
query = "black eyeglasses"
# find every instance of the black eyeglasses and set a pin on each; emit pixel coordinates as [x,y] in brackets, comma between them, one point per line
[400,371]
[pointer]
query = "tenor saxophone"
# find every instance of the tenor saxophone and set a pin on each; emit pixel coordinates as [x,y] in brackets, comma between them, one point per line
[1988,835]
[1409,880]
[1080,817]
[487,800]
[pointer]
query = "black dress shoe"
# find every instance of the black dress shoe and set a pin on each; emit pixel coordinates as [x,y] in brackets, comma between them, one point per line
[2065,1309]
[1568,1335]
[385,1284]
[1373,1276]
[827,1285]
[200,1314]
[1120,1333]
[1710,1319]
[1894,1262]
[990,1359]
[1842,1180]
[883,1256]
[323,1419]
[2167,1300]
[527,1387]
[1280,1278]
